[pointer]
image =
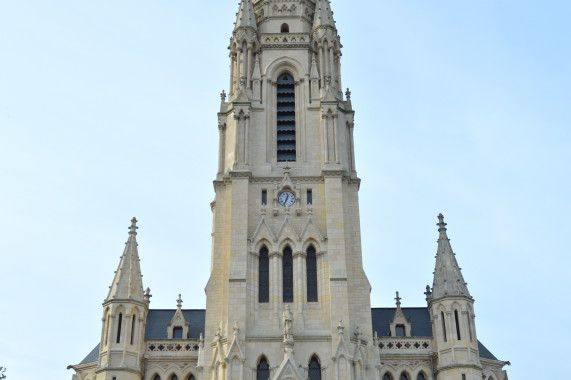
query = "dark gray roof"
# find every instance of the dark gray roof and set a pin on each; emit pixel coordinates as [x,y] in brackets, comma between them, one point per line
[484,352]
[92,357]
[157,321]
[419,317]
[420,321]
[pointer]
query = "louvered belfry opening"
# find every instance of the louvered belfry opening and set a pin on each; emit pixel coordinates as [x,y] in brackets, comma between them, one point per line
[286,118]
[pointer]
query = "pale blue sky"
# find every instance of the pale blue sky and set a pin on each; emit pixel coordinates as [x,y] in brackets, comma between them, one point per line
[108,111]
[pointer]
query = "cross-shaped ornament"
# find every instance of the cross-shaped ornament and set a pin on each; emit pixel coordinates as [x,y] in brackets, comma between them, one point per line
[398,300]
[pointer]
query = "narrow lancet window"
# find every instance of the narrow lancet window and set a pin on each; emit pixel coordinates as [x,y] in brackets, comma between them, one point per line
[264,276]
[314,371]
[133,331]
[309,197]
[287,271]
[264,197]
[286,143]
[457,325]
[443,326]
[263,372]
[311,265]
[469,325]
[119,323]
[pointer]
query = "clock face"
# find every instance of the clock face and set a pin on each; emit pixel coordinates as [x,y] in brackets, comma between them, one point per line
[286,198]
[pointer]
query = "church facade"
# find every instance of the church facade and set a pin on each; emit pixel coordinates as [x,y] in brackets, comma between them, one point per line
[288,298]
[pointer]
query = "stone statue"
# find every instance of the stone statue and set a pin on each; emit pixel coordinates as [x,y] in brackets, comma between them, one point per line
[288,323]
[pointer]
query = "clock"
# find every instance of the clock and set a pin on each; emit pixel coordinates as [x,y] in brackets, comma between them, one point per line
[287,198]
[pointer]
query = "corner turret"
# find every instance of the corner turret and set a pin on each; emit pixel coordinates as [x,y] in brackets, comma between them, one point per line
[452,314]
[124,314]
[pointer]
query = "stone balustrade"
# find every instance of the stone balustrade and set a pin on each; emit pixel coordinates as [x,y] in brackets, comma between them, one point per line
[405,345]
[189,347]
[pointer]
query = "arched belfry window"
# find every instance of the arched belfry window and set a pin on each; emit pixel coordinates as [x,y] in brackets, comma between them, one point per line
[119,326]
[285,28]
[287,272]
[286,145]
[421,376]
[314,371]
[191,377]
[311,265]
[404,376]
[264,276]
[457,324]
[387,377]
[443,326]
[174,377]
[157,377]
[263,372]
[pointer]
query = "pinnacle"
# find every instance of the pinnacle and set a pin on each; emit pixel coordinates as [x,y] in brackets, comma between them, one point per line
[323,15]
[246,17]
[448,279]
[128,281]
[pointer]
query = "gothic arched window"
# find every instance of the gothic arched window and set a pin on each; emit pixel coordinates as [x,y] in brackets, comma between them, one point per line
[133,330]
[285,28]
[443,326]
[286,146]
[157,377]
[174,377]
[403,376]
[119,325]
[387,377]
[421,376]
[191,377]
[314,371]
[264,276]
[311,265]
[287,271]
[263,372]
[457,324]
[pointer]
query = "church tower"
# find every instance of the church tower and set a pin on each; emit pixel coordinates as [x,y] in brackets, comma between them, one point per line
[125,311]
[287,290]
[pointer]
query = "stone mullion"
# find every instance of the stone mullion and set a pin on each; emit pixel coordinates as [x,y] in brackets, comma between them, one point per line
[298,270]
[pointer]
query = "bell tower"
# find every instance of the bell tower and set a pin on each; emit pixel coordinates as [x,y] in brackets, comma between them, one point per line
[287,287]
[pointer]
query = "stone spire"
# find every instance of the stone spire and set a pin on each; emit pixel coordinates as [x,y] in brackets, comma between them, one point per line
[323,15]
[246,17]
[448,280]
[128,281]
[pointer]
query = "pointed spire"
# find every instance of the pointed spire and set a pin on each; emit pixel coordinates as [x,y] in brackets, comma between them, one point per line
[448,279]
[128,281]
[246,17]
[323,15]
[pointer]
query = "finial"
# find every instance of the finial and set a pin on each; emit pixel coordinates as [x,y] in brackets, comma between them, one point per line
[348,95]
[223,96]
[441,223]
[428,293]
[179,302]
[398,299]
[328,80]
[133,228]
[341,328]
[148,295]
[242,82]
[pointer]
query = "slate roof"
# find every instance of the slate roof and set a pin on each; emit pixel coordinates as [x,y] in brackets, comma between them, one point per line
[157,321]
[420,320]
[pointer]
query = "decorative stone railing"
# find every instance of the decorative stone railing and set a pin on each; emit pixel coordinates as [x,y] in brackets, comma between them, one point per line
[413,345]
[285,38]
[173,346]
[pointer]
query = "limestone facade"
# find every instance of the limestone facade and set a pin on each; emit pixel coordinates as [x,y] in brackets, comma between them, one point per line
[287,287]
